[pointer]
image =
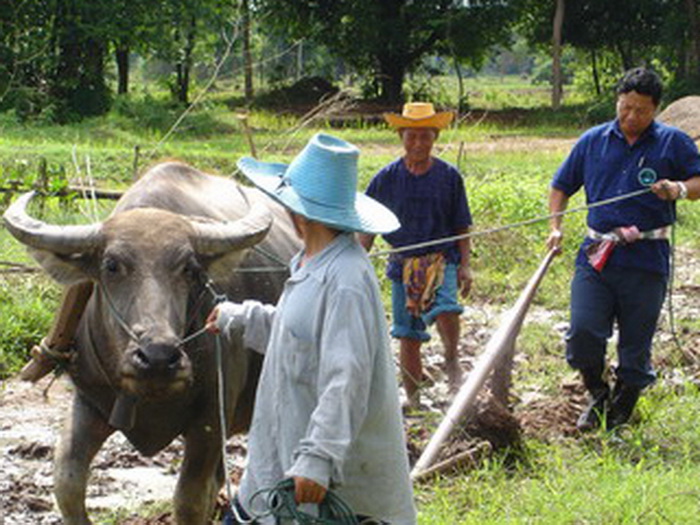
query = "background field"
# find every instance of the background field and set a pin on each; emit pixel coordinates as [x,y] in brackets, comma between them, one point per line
[646,473]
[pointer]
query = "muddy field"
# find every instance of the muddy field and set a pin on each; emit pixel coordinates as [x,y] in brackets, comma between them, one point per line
[30,423]
[123,480]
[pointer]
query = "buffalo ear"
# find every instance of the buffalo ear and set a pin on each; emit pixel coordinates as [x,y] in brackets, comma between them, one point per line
[64,269]
[220,268]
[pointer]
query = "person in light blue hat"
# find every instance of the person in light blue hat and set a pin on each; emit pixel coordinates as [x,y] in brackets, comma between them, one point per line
[327,411]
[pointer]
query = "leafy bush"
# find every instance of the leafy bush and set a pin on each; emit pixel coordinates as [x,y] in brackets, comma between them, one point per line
[601,110]
[26,310]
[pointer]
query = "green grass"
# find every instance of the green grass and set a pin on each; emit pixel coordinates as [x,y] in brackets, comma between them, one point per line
[642,475]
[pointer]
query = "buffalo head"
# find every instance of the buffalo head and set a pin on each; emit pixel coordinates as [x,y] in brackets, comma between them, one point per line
[148,266]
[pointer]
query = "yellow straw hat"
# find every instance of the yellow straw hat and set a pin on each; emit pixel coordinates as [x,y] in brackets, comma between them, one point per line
[419,115]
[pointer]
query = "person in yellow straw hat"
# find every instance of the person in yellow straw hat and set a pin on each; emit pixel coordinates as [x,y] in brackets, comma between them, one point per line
[427,195]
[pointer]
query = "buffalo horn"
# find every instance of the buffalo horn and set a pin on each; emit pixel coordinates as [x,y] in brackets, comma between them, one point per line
[61,239]
[214,237]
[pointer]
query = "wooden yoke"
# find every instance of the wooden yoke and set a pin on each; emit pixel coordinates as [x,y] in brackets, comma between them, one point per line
[56,348]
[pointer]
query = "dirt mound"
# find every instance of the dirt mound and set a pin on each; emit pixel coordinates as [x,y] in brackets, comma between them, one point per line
[683,113]
[303,93]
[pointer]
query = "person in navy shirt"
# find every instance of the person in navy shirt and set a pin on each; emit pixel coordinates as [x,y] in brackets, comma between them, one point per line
[428,196]
[622,266]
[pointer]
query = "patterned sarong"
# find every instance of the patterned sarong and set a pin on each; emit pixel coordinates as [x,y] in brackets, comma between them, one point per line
[421,278]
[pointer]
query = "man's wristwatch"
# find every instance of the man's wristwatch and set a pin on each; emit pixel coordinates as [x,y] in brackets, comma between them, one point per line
[682,190]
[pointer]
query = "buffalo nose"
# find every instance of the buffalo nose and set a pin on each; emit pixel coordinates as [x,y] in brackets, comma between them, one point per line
[158,357]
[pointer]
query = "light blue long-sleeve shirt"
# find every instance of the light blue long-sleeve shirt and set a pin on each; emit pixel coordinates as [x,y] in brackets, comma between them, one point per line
[327,403]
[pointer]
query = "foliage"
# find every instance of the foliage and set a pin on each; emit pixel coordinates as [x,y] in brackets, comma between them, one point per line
[184,32]
[19,175]
[24,41]
[59,58]
[636,32]
[26,307]
[55,53]
[388,39]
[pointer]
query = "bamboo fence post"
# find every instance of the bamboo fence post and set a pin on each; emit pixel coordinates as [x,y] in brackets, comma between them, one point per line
[243,117]
[43,182]
[135,168]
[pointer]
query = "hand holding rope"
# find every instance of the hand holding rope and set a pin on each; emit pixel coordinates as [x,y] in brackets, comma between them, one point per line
[280,502]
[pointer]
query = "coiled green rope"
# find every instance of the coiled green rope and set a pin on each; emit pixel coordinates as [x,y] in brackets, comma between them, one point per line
[281,504]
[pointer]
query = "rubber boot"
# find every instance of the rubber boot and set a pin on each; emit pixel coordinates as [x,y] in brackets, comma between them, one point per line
[599,391]
[624,398]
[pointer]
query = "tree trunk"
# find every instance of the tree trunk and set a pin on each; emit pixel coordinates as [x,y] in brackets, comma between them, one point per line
[557,81]
[300,60]
[461,105]
[247,58]
[181,80]
[392,57]
[594,72]
[77,85]
[625,57]
[184,66]
[122,58]
[693,61]
[391,75]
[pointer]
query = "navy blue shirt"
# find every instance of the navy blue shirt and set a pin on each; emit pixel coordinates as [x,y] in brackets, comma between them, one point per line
[607,166]
[429,206]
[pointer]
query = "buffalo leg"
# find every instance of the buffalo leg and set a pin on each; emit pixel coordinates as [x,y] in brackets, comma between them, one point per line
[83,435]
[200,478]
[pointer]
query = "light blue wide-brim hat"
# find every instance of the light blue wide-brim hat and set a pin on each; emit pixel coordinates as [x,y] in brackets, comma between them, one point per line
[321,184]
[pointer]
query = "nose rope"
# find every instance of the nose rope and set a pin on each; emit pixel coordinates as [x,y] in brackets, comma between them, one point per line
[192,336]
[218,298]
[193,317]
[220,383]
[118,317]
[209,285]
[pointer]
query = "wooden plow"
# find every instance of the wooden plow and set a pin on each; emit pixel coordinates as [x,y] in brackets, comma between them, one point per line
[501,342]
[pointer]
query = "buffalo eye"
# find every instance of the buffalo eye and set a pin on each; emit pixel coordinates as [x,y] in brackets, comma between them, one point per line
[192,270]
[110,266]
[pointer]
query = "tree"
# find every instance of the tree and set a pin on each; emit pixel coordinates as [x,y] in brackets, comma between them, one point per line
[693,61]
[186,30]
[128,29]
[628,28]
[53,58]
[25,40]
[387,39]
[556,54]
[247,57]
[680,46]
[77,79]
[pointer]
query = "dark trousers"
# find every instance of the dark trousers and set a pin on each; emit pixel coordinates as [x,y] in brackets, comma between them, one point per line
[633,299]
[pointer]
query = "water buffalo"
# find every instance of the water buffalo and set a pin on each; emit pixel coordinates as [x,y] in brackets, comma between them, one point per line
[135,367]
